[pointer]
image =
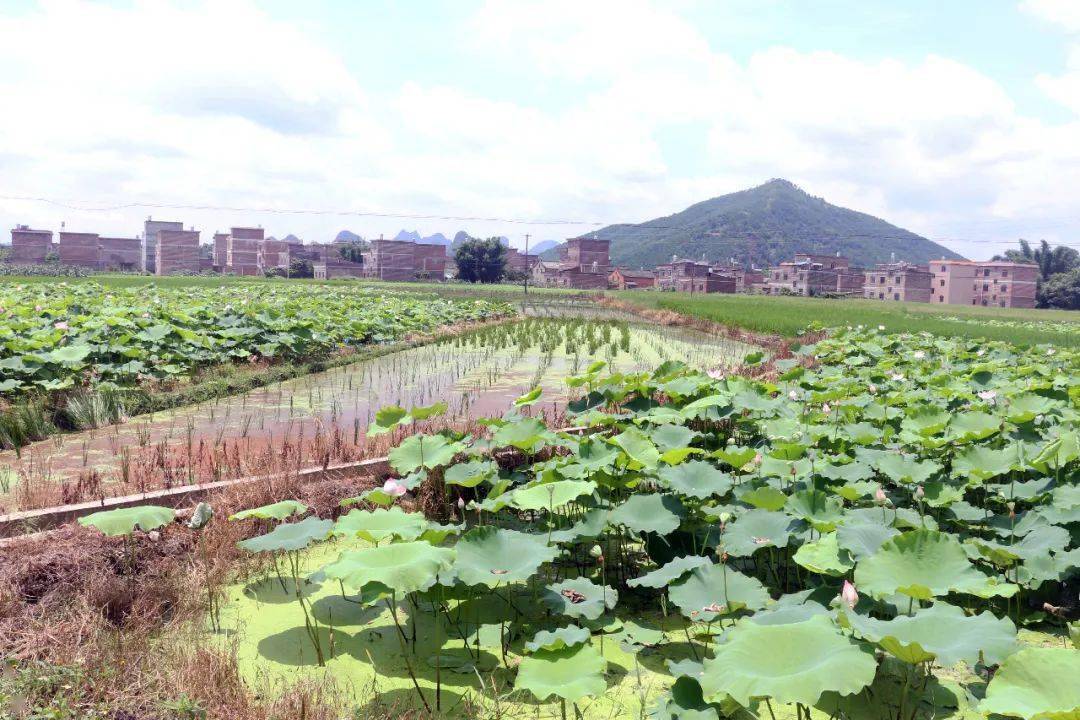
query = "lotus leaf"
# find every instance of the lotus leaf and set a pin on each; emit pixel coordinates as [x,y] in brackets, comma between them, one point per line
[570,673]
[423,451]
[670,572]
[274,511]
[402,567]
[489,556]
[290,536]
[756,529]
[470,474]
[381,524]
[941,632]
[580,598]
[544,496]
[697,479]
[123,521]
[715,590]
[656,513]
[793,663]
[564,637]
[921,564]
[824,556]
[1036,684]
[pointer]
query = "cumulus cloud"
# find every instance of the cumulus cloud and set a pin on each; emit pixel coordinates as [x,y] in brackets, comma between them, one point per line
[219,103]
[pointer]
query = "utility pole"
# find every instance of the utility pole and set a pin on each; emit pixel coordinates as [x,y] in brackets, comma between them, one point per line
[527,270]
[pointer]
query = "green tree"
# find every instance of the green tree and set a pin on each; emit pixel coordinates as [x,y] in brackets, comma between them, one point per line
[481,260]
[1061,291]
[354,251]
[301,268]
[1051,261]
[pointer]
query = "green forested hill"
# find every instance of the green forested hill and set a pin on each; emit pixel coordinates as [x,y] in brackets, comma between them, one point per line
[766,224]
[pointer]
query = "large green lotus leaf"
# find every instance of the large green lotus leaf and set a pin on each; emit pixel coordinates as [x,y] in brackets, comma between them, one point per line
[123,521]
[941,494]
[672,437]
[381,524]
[656,513]
[436,533]
[490,556]
[544,496]
[824,556]
[638,447]
[423,451]
[528,435]
[670,572]
[1057,452]
[792,663]
[787,470]
[580,598]
[972,426]
[715,590]
[906,468]
[817,508]
[290,536]
[697,479]
[862,433]
[982,463]
[684,702]
[470,474]
[565,637]
[274,511]
[766,498]
[1025,407]
[735,456]
[1036,684]
[942,632]
[862,539]
[591,526]
[851,472]
[755,529]
[922,564]
[402,567]
[1038,543]
[926,421]
[570,673]
[387,418]
[426,412]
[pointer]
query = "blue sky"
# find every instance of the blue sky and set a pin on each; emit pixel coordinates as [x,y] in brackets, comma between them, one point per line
[958,120]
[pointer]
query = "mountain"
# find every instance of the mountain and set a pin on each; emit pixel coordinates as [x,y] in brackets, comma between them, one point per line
[347,236]
[763,225]
[292,238]
[436,239]
[543,246]
[407,236]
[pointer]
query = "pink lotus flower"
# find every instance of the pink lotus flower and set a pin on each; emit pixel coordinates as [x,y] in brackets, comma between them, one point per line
[393,488]
[461,503]
[826,409]
[918,354]
[715,374]
[879,497]
[37,308]
[61,325]
[793,395]
[920,493]
[849,595]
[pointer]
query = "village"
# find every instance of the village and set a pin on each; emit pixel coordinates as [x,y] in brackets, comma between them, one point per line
[583,263]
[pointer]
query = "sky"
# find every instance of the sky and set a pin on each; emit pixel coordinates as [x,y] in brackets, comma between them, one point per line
[957,120]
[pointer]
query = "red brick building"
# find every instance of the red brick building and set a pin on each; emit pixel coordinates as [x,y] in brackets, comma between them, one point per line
[116,253]
[30,247]
[79,249]
[242,251]
[274,254]
[584,263]
[221,251]
[178,252]
[623,279]
[990,283]
[898,282]
[519,262]
[151,228]
[815,275]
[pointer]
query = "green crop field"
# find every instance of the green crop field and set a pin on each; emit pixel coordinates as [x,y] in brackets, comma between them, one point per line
[789,316]
[889,531]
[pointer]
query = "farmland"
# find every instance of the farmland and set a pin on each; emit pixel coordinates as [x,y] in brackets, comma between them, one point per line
[790,316]
[586,516]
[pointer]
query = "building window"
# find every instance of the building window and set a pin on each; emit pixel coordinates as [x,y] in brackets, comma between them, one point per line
[941,282]
[986,272]
[942,268]
[896,296]
[941,298]
[1004,273]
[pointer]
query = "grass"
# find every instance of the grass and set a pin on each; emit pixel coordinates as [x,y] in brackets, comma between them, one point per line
[788,316]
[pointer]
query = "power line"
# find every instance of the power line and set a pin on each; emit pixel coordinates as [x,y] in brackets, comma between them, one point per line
[86,206]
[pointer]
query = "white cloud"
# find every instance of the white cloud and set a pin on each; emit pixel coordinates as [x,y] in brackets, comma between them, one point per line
[1064,13]
[219,103]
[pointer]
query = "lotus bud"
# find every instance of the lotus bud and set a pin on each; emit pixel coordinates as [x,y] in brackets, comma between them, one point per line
[1012,510]
[461,503]
[872,388]
[757,459]
[826,409]
[724,518]
[880,327]
[393,488]
[793,395]
[723,556]
[919,493]
[731,441]
[879,497]
[849,595]
[61,325]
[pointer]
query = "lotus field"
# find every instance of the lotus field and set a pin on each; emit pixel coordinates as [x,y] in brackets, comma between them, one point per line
[58,336]
[888,528]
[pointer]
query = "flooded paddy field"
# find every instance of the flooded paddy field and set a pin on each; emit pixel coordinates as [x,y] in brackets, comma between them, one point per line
[323,417]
